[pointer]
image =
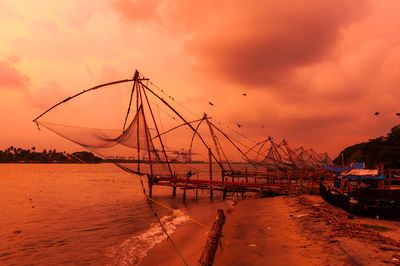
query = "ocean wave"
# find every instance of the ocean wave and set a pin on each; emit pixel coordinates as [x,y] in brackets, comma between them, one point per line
[135,248]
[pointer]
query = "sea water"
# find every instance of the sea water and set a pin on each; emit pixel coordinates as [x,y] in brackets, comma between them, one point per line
[85,214]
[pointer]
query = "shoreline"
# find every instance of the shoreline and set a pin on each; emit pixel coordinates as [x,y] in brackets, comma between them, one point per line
[286,230]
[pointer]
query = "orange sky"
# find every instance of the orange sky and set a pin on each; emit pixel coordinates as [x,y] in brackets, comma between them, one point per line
[315,72]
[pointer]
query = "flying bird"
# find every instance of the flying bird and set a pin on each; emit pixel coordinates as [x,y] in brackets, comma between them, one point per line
[210,103]
[376,113]
[239,125]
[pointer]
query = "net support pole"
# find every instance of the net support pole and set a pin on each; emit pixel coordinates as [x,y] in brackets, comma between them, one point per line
[210,160]
[225,188]
[185,187]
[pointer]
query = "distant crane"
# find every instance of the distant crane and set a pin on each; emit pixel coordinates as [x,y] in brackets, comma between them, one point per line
[183,155]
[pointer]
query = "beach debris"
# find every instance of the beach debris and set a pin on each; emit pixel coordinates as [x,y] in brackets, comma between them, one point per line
[244,94]
[210,103]
[333,241]
[301,215]
[350,217]
[253,245]
[396,258]
[239,125]
[269,228]
[377,113]
[398,114]
[16,232]
[341,226]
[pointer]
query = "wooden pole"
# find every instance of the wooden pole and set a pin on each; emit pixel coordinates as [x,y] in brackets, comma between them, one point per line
[197,186]
[184,189]
[150,184]
[224,194]
[174,187]
[213,236]
[279,177]
[210,159]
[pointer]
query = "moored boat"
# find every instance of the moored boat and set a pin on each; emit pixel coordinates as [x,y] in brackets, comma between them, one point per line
[363,192]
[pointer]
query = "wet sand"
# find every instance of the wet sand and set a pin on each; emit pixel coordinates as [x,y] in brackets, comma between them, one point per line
[287,231]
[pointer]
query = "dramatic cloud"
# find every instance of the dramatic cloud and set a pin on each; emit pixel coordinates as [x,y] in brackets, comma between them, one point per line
[315,72]
[11,78]
[262,44]
[46,96]
[135,10]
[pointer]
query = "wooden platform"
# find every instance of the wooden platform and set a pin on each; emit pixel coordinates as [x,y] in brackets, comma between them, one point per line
[266,183]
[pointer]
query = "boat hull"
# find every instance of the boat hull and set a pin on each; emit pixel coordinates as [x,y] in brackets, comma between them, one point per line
[372,208]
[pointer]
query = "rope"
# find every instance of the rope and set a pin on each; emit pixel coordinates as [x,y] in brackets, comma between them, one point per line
[170,239]
[195,115]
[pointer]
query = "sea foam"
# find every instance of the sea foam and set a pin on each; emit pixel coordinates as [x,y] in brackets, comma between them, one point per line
[135,248]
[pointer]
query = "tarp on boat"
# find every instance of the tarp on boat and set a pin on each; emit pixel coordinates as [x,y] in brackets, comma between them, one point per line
[378,177]
[355,165]
[362,172]
[337,168]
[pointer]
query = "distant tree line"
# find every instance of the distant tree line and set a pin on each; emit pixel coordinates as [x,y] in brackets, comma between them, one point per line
[19,155]
[380,151]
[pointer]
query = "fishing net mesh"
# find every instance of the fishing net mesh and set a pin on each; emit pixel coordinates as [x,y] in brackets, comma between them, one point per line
[133,144]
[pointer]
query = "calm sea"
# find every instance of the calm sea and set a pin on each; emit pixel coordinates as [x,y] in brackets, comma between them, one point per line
[85,214]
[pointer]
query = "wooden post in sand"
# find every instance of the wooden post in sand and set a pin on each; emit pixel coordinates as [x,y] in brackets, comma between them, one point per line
[213,236]
[210,159]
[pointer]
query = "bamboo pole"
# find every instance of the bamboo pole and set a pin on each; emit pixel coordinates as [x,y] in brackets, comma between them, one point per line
[213,236]
[185,187]
[197,188]
[210,159]
[224,194]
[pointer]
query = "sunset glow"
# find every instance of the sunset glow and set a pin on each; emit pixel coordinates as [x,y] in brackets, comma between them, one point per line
[314,72]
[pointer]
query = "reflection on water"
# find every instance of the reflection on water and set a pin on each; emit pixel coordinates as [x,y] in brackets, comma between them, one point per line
[80,214]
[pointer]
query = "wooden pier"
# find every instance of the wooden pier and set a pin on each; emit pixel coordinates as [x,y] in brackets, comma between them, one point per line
[265,183]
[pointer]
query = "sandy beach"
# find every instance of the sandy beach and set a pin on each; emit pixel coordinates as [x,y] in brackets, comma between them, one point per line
[287,230]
